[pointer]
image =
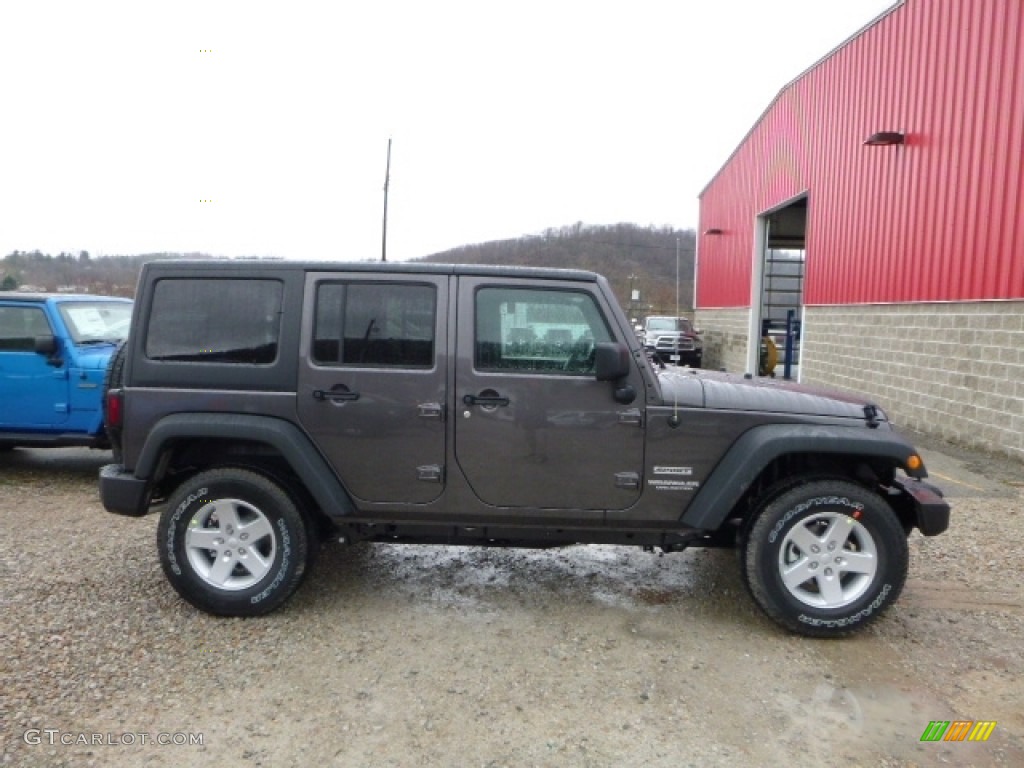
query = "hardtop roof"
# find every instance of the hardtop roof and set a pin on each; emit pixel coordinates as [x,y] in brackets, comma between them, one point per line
[390,268]
[37,297]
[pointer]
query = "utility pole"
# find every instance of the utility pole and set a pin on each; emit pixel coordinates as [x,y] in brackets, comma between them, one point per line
[677,277]
[387,183]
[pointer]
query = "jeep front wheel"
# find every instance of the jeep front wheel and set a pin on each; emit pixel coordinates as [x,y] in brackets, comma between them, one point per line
[232,543]
[825,558]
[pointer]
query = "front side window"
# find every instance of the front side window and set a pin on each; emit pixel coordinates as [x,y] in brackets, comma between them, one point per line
[375,324]
[215,320]
[537,331]
[19,327]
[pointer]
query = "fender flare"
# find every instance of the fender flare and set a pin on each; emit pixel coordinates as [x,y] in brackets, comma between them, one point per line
[758,447]
[289,440]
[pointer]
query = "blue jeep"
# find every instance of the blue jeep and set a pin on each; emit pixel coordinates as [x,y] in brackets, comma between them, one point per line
[54,354]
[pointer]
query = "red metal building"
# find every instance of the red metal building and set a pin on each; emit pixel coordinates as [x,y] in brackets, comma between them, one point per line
[924,222]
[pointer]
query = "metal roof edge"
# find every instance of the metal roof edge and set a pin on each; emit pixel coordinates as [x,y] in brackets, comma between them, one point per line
[877,20]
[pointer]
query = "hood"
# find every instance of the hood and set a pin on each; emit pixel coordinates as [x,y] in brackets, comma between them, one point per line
[685,334]
[729,392]
[655,335]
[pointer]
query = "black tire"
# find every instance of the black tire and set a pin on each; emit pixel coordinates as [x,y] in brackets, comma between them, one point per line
[857,568]
[113,380]
[765,498]
[258,543]
[316,528]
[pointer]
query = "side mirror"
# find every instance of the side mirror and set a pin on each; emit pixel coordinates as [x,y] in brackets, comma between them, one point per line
[611,361]
[45,345]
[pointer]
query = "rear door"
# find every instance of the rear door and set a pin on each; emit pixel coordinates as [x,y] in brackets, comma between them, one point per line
[33,392]
[534,426]
[372,381]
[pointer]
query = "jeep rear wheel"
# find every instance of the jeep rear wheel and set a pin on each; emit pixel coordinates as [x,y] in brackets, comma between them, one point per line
[825,558]
[233,543]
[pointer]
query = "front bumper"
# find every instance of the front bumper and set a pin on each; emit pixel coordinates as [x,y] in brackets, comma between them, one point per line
[931,510]
[122,493]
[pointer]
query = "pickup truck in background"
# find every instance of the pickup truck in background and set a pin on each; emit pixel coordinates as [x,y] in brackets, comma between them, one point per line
[54,353]
[672,341]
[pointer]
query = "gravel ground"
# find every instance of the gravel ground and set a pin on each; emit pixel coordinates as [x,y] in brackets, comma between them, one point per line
[435,656]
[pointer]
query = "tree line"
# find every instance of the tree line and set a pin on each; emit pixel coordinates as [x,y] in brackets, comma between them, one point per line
[77,273]
[638,261]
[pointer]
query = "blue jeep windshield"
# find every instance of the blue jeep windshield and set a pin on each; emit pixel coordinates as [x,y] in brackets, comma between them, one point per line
[92,321]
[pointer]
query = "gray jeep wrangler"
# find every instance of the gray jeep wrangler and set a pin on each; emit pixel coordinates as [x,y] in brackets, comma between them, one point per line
[264,407]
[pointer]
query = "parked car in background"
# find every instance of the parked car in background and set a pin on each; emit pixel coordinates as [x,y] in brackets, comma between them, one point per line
[672,341]
[54,353]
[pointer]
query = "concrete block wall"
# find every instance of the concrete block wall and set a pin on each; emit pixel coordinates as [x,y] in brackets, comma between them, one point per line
[955,370]
[725,338]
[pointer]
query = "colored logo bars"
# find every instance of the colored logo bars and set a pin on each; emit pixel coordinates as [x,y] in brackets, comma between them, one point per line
[958,730]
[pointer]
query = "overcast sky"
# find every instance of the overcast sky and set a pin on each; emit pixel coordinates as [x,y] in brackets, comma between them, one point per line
[261,128]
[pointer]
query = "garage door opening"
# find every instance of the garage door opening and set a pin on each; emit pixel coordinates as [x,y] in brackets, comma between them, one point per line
[778,314]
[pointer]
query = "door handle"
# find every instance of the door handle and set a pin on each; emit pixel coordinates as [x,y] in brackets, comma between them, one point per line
[431,411]
[487,401]
[334,395]
[632,416]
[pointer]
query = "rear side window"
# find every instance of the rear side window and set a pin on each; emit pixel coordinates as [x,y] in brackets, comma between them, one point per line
[215,321]
[375,324]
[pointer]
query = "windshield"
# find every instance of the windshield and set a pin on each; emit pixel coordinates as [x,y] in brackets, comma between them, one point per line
[668,324]
[92,321]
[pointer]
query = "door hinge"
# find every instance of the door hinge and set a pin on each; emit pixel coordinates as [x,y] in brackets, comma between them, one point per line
[430,473]
[627,480]
[632,416]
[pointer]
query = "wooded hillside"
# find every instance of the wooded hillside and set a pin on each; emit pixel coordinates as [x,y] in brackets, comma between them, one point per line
[633,258]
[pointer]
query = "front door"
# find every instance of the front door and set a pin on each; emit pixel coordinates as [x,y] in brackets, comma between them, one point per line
[373,381]
[534,428]
[33,393]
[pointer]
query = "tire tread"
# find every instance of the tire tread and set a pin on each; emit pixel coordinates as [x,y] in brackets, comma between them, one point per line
[753,551]
[203,597]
